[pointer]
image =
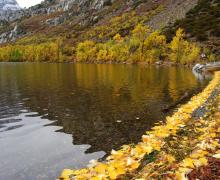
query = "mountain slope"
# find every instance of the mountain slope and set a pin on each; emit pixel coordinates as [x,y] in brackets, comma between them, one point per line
[78,18]
[62,25]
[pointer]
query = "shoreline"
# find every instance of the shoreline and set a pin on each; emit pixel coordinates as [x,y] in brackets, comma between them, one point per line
[133,161]
[166,64]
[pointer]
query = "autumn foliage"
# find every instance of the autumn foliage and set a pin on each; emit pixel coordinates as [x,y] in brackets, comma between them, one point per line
[142,45]
[181,50]
[44,52]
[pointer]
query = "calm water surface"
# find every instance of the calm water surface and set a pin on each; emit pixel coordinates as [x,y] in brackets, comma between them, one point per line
[56,116]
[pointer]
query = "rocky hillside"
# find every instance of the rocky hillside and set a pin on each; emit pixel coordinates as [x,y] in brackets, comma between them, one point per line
[70,22]
[77,20]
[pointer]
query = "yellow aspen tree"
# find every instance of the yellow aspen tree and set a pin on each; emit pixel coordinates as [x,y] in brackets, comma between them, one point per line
[177,46]
[194,52]
[86,51]
[155,46]
[140,33]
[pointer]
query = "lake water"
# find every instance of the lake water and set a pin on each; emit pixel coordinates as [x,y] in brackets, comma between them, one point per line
[56,116]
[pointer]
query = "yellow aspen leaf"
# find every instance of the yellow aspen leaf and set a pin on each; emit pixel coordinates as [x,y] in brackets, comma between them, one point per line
[81,171]
[101,168]
[157,146]
[213,135]
[178,176]
[65,175]
[196,156]
[117,164]
[145,138]
[120,170]
[135,165]
[170,159]
[188,163]
[181,176]
[203,161]
[96,178]
[112,173]
[147,149]
[81,177]
[138,149]
[215,144]
[199,154]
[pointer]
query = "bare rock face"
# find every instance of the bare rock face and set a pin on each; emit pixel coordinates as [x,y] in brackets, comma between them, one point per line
[9,10]
[9,5]
[95,4]
[65,5]
[173,11]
